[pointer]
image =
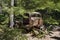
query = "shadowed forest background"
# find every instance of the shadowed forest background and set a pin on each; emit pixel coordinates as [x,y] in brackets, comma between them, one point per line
[12,15]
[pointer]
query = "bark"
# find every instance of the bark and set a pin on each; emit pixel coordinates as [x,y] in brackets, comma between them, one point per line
[0,7]
[0,10]
[12,15]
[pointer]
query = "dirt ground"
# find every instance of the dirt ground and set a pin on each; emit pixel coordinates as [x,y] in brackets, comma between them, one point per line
[54,36]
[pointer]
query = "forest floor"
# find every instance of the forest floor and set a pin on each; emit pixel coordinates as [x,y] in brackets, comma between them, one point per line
[54,36]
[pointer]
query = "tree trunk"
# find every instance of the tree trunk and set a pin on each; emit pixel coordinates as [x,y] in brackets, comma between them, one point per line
[0,10]
[12,15]
[0,7]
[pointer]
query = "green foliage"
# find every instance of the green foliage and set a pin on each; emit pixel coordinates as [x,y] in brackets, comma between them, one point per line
[51,21]
[11,34]
[4,19]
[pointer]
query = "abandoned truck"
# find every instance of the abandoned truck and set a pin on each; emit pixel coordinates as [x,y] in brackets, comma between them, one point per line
[34,20]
